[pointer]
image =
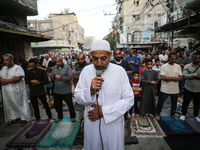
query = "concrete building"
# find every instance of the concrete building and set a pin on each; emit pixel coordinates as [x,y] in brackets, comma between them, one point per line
[136,16]
[64,28]
[87,43]
[15,37]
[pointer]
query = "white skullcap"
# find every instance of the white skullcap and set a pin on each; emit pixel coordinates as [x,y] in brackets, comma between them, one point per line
[100,45]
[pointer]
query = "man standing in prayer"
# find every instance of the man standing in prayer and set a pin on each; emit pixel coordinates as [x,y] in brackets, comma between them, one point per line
[171,74]
[15,97]
[106,98]
[133,61]
[61,75]
[37,78]
[191,73]
[46,61]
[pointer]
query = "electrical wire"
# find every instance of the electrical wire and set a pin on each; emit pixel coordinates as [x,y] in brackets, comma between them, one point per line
[76,21]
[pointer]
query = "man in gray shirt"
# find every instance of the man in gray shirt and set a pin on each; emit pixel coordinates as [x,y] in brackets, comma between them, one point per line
[61,75]
[191,72]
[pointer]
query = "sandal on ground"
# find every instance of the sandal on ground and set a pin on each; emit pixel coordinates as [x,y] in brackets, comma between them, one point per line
[11,123]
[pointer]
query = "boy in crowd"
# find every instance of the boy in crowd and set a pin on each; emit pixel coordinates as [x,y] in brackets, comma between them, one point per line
[149,78]
[135,82]
[157,68]
[143,67]
[49,86]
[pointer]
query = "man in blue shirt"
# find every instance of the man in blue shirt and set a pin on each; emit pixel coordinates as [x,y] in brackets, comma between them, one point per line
[133,61]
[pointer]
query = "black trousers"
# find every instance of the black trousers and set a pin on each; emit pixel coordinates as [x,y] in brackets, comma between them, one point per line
[58,98]
[34,101]
[161,100]
[188,96]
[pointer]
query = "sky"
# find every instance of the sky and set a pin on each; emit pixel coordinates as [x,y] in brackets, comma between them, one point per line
[90,13]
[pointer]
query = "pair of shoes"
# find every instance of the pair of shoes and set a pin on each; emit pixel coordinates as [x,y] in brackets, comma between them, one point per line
[197,119]
[182,118]
[73,119]
[23,123]
[58,120]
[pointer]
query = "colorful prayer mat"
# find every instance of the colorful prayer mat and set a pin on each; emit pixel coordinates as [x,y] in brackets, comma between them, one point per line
[61,134]
[151,130]
[193,123]
[172,126]
[30,135]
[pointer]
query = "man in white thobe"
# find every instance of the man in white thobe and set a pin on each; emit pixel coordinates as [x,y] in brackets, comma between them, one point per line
[114,99]
[15,99]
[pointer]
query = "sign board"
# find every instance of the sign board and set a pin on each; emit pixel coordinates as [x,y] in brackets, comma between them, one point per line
[146,36]
[123,38]
[175,13]
[52,43]
[164,19]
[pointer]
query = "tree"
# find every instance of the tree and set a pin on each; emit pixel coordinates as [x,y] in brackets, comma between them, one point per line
[112,39]
[65,10]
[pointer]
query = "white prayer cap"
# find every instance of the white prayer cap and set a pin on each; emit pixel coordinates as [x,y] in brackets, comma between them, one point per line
[100,45]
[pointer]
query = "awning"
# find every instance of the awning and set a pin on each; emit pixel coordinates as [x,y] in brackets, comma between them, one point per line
[26,35]
[12,30]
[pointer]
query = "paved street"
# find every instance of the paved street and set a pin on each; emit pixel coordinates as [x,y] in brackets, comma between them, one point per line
[143,143]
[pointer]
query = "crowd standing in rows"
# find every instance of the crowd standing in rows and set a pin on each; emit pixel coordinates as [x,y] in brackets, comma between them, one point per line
[172,72]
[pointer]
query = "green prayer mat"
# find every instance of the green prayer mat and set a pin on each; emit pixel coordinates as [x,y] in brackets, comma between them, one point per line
[61,134]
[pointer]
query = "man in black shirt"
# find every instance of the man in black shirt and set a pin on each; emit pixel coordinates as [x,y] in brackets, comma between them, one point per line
[52,63]
[118,59]
[36,78]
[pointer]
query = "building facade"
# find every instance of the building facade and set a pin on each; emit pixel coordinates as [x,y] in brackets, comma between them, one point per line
[136,19]
[15,37]
[64,28]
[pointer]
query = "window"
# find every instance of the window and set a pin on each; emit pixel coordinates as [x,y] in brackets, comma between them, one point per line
[137,2]
[149,15]
[63,27]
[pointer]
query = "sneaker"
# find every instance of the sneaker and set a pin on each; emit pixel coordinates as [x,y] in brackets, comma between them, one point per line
[197,119]
[73,119]
[182,118]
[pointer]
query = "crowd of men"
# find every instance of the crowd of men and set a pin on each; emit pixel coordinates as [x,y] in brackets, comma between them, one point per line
[144,74]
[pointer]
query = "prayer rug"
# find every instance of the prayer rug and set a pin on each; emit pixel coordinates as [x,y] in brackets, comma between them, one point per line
[183,141]
[151,130]
[172,126]
[61,134]
[30,135]
[193,123]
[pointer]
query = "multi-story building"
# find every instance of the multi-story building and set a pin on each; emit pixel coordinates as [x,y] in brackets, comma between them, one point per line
[64,28]
[15,37]
[137,18]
